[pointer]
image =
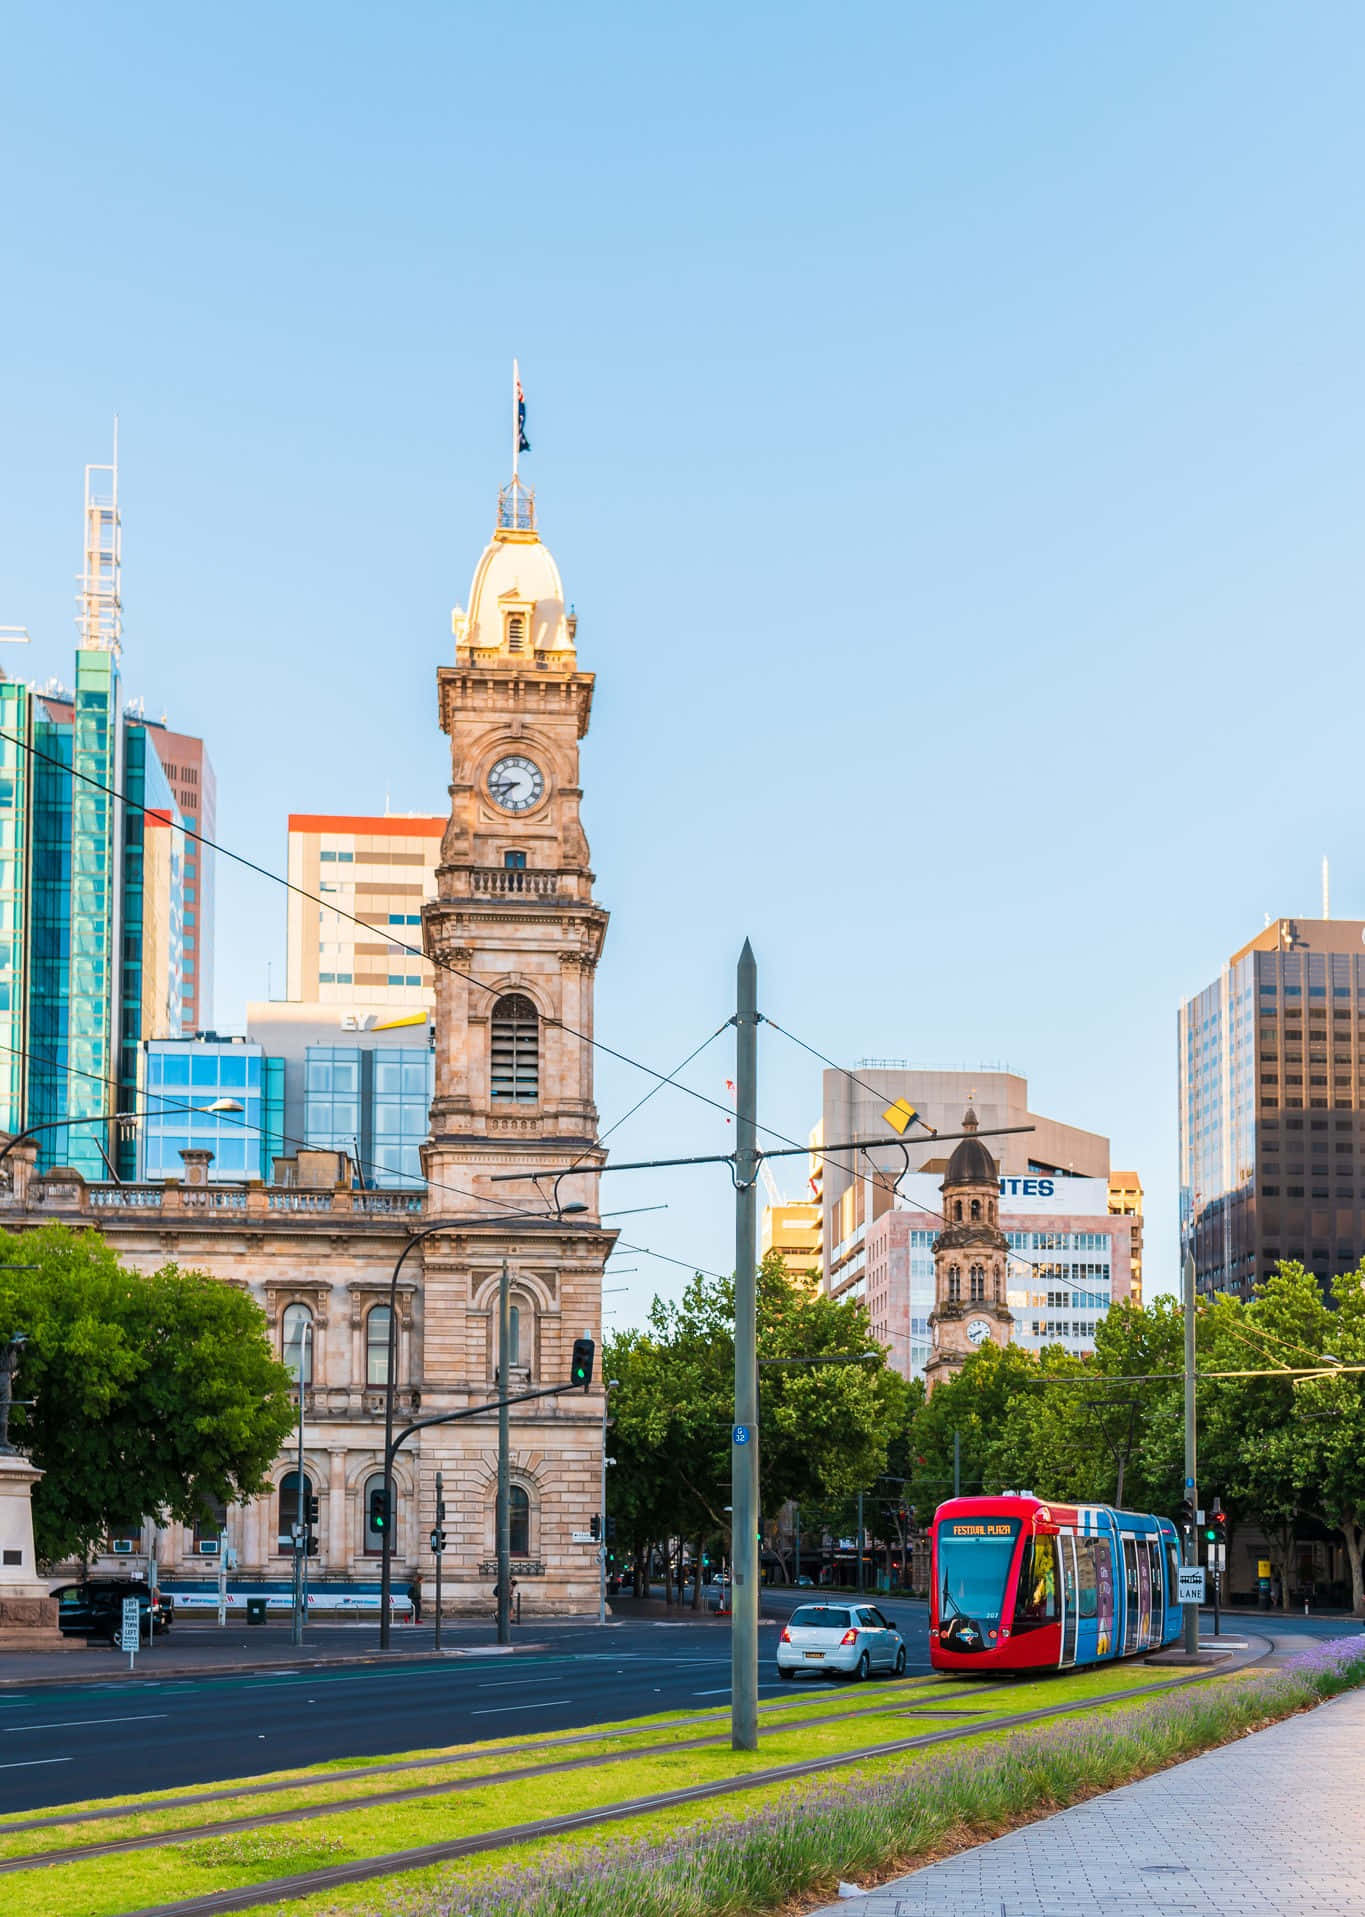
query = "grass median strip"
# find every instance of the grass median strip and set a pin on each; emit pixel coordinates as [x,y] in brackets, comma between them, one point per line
[479,1812]
[763,1851]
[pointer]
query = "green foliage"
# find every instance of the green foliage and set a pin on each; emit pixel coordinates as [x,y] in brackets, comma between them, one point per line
[824,1429]
[151,1394]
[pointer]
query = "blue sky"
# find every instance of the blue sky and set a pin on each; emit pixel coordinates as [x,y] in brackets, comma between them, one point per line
[947,421]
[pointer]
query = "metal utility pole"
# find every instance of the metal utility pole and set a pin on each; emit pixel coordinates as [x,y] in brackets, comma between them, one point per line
[796,1514]
[608,1386]
[957,1464]
[440,1548]
[300,1496]
[744,1436]
[860,1544]
[1191,1471]
[504,1457]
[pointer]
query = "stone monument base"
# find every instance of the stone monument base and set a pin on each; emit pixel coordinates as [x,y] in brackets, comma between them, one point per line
[28,1616]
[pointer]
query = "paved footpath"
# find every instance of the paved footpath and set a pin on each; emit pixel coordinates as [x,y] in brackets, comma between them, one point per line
[1271,1826]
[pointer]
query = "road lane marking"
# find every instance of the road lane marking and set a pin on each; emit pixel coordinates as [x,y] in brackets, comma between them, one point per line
[76,1723]
[541,1704]
[32,1763]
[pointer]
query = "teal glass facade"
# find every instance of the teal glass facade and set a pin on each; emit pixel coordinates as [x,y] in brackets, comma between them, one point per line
[86,952]
[183,1076]
[371,1104]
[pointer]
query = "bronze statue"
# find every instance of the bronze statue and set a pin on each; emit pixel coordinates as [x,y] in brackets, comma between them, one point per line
[9,1364]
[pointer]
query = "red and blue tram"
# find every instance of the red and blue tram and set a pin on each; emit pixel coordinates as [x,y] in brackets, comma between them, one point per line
[1023,1585]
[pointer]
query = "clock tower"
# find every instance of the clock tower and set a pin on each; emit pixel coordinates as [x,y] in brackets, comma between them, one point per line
[971,1257]
[515,935]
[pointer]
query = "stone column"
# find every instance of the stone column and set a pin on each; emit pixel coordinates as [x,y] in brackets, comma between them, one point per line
[28,1616]
[338,1556]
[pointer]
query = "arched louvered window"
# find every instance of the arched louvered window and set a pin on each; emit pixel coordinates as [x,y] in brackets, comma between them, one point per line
[954,1285]
[516,632]
[515,1050]
[978,1283]
[957,1208]
[976,1210]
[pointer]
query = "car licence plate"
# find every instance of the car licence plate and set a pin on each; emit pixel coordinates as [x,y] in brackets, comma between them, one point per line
[815,1654]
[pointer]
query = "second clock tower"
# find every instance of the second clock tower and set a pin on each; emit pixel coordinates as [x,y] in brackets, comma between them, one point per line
[971,1257]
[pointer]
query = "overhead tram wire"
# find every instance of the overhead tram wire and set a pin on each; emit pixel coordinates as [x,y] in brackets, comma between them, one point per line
[504,1206]
[330,905]
[873,1173]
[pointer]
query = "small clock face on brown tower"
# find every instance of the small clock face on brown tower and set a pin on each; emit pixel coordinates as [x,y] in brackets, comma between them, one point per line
[971,1258]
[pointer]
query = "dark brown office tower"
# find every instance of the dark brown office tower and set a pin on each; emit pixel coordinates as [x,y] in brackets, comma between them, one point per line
[1272,1107]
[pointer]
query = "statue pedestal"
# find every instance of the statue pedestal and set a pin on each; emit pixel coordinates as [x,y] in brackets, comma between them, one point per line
[28,1616]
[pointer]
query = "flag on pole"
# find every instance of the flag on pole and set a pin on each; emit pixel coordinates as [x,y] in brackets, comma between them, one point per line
[523,443]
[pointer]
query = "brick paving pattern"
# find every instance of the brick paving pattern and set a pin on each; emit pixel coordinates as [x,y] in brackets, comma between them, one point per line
[1271,1826]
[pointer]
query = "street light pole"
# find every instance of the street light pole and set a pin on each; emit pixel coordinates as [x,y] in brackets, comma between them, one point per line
[744,1436]
[1191,1619]
[300,1502]
[504,1456]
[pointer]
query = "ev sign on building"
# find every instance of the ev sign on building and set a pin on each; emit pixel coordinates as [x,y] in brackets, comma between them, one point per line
[1020,1194]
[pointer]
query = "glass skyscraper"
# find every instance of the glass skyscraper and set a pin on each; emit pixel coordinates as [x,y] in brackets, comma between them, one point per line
[1272,1107]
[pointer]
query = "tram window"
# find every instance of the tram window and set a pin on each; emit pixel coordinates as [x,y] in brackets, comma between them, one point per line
[1037,1601]
[1086,1590]
[1172,1579]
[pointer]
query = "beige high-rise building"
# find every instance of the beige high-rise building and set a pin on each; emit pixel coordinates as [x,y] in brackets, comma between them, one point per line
[1125,1201]
[793,1231]
[379,871]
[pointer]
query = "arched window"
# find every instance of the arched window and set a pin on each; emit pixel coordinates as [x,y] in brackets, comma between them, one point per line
[954,1285]
[377,1346]
[519,1512]
[978,1284]
[374,1540]
[290,1514]
[296,1342]
[515,1055]
[516,631]
[992,1211]
[999,1282]
[514,1335]
[976,1210]
[957,1208]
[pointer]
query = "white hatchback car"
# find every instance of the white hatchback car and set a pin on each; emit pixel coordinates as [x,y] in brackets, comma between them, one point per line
[840,1640]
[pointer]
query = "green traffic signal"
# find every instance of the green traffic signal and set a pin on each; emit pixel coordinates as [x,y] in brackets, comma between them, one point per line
[580,1366]
[1210,1534]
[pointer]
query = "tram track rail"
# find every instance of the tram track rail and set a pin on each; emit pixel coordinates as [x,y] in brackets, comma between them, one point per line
[332,1877]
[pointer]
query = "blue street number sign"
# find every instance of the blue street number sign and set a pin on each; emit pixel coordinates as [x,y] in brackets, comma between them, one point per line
[740,1434]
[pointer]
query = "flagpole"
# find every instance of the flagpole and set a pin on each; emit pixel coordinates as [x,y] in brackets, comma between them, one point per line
[516,424]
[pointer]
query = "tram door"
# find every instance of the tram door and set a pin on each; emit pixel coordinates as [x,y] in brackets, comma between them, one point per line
[1070,1601]
[1130,1595]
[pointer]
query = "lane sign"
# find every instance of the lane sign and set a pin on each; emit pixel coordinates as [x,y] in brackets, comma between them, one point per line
[1190,1583]
[130,1627]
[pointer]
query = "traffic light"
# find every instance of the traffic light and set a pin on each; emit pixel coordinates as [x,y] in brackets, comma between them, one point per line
[311,1509]
[595,1527]
[379,1509]
[611,1530]
[580,1368]
[438,1541]
[1185,1515]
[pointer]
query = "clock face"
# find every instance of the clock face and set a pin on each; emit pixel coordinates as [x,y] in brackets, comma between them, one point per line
[515,783]
[978,1331]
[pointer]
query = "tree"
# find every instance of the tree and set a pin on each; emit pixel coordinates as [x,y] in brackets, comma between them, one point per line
[824,1429]
[151,1396]
[1334,1409]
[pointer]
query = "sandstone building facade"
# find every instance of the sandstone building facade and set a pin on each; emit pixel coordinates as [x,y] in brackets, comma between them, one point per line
[513,935]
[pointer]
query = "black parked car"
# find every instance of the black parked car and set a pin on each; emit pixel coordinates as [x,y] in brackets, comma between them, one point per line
[95,1609]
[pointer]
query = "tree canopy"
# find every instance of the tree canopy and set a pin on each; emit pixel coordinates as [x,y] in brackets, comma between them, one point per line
[136,1395]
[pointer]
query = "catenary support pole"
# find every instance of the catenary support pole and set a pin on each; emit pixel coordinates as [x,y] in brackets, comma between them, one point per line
[1191,1461]
[860,1544]
[744,1436]
[796,1513]
[957,1464]
[504,1457]
[602,1512]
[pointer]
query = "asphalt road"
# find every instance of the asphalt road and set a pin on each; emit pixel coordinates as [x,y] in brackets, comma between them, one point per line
[62,1743]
